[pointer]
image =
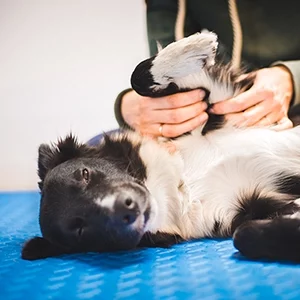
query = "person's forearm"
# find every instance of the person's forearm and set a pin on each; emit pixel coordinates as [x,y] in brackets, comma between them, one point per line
[117,108]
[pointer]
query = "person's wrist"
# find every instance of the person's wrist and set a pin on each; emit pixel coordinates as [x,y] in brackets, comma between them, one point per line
[117,109]
[288,78]
[127,104]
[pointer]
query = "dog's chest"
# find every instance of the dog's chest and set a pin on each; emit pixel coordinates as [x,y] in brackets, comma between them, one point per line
[203,182]
[217,169]
[210,161]
[221,155]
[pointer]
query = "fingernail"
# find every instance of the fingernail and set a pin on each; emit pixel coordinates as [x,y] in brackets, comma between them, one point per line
[202,94]
[203,117]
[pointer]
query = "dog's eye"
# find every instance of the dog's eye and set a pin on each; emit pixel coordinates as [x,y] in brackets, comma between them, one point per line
[86,175]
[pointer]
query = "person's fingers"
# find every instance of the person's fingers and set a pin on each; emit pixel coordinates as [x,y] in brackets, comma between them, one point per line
[283,124]
[173,130]
[176,100]
[256,113]
[243,101]
[270,119]
[179,109]
[176,115]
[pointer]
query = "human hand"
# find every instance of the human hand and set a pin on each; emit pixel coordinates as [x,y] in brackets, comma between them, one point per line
[168,116]
[266,103]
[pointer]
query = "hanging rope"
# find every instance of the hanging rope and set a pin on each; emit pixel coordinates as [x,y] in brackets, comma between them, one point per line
[236,28]
[237,34]
[179,25]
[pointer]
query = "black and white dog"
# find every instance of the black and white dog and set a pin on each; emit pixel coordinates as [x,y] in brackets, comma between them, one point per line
[130,191]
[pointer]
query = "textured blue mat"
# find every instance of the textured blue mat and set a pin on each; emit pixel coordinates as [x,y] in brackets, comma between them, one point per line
[206,269]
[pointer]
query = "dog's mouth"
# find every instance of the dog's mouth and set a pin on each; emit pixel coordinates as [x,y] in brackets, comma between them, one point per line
[126,229]
[109,238]
[128,238]
[125,237]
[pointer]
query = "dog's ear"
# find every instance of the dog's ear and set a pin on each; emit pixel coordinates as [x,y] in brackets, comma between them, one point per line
[51,156]
[38,247]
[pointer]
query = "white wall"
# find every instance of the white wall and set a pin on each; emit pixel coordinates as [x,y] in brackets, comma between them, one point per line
[62,63]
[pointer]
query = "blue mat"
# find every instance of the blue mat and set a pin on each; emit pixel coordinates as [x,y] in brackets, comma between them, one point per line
[207,269]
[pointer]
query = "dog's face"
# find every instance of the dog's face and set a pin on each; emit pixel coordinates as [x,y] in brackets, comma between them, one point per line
[90,199]
[89,204]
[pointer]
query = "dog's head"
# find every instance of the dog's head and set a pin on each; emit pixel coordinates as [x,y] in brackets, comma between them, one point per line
[92,198]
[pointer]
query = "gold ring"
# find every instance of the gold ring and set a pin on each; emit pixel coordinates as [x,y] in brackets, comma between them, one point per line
[160,129]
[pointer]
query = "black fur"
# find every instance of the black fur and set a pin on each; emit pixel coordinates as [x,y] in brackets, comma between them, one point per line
[50,157]
[228,75]
[142,80]
[121,152]
[38,248]
[217,229]
[214,122]
[257,207]
[125,155]
[77,174]
[142,76]
[289,184]
[95,198]
[159,239]
[277,239]
[294,114]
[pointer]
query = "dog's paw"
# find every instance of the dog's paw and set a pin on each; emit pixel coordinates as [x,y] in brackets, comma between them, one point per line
[169,71]
[159,240]
[276,240]
[38,247]
[184,57]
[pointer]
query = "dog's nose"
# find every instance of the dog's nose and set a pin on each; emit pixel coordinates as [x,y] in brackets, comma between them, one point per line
[126,209]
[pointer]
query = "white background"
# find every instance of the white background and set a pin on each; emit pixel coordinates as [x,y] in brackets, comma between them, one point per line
[62,63]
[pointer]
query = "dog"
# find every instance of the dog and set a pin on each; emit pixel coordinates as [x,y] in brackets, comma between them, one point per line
[129,191]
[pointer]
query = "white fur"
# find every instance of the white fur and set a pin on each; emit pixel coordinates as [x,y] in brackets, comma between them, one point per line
[186,64]
[107,202]
[217,92]
[216,170]
[183,58]
[208,176]
[163,181]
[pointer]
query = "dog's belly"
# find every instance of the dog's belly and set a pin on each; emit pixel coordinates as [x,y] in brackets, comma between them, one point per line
[224,166]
